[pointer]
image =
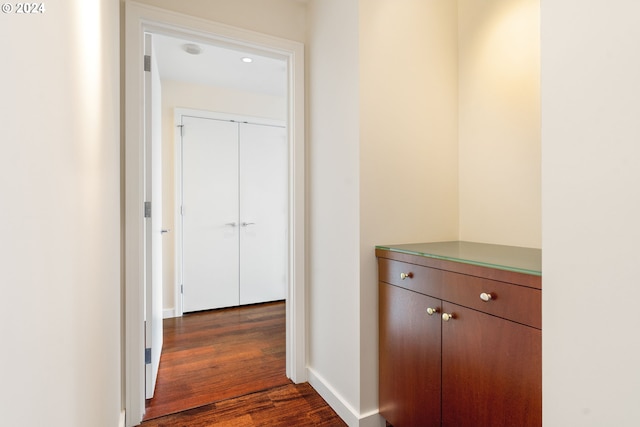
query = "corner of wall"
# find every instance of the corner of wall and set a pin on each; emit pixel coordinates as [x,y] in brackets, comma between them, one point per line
[344,410]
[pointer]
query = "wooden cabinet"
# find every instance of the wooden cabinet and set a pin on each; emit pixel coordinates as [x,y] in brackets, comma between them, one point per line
[449,357]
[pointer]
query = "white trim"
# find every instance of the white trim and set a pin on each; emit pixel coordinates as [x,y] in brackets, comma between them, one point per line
[192,112]
[177,218]
[169,313]
[371,419]
[134,247]
[344,410]
[121,420]
[139,19]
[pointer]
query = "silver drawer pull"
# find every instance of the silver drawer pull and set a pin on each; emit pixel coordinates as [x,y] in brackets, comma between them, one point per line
[405,275]
[447,316]
[431,311]
[486,297]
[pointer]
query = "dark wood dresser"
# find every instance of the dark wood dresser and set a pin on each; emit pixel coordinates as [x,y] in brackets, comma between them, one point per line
[460,335]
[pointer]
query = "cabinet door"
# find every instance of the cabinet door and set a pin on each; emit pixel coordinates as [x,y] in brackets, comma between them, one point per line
[409,388]
[491,371]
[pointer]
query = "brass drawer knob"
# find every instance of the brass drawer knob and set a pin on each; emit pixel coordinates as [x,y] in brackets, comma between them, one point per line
[447,316]
[486,297]
[431,311]
[405,275]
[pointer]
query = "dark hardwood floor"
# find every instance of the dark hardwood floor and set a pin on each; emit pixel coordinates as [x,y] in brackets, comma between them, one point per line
[285,406]
[227,368]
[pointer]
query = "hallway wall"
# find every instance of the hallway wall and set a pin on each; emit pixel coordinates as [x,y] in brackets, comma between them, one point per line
[591,206]
[60,220]
[333,204]
[280,18]
[499,121]
[408,148]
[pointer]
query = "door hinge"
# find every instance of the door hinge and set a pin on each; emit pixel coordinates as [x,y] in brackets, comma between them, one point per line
[147,356]
[182,289]
[181,210]
[181,129]
[147,209]
[147,62]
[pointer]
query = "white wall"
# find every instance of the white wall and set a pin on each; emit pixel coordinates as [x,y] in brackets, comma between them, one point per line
[408,145]
[60,362]
[333,198]
[591,206]
[499,121]
[207,98]
[280,18]
[383,169]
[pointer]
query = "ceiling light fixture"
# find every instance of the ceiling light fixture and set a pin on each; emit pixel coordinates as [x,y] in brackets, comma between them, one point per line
[246,59]
[192,48]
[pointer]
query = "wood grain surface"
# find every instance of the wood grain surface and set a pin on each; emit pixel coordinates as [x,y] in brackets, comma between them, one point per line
[219,354]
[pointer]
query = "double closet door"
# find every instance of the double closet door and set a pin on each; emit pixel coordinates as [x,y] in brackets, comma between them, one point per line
[234,213]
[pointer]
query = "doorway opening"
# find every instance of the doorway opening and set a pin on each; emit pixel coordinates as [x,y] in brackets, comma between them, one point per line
[141,19]
[213,103]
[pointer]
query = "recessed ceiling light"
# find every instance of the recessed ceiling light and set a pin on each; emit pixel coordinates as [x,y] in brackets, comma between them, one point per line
[192,48]
[247,59]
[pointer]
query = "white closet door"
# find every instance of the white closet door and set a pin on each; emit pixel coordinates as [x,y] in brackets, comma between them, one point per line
[263,213]
[210,213]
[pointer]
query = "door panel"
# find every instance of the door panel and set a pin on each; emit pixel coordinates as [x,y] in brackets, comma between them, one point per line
[153,224]
[410,353]
[492,371]
[263,213]
[210,213]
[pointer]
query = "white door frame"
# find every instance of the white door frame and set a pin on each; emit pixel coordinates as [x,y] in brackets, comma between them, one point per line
[139,19]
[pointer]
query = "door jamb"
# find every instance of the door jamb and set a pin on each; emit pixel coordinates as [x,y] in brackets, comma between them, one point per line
[139,19]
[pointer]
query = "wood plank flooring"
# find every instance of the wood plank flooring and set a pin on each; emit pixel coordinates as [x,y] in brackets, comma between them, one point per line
[285,406]
[227,368]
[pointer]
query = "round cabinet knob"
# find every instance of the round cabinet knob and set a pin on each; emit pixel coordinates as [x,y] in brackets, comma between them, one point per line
[405,275]
[432,311]
[485,297]
[447,316]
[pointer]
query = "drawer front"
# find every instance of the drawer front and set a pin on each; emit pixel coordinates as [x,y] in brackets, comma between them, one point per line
[513,302]
[518,303]
[411,276]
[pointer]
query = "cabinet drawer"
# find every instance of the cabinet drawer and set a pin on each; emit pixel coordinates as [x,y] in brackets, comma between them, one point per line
[411,276]
[513,302]
[518,303]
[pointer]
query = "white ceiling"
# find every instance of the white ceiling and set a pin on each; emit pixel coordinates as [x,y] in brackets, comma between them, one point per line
[218,66]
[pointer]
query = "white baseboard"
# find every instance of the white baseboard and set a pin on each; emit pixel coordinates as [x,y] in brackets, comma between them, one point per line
[372,419]
[344,410]
[122,418]
[168,313]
